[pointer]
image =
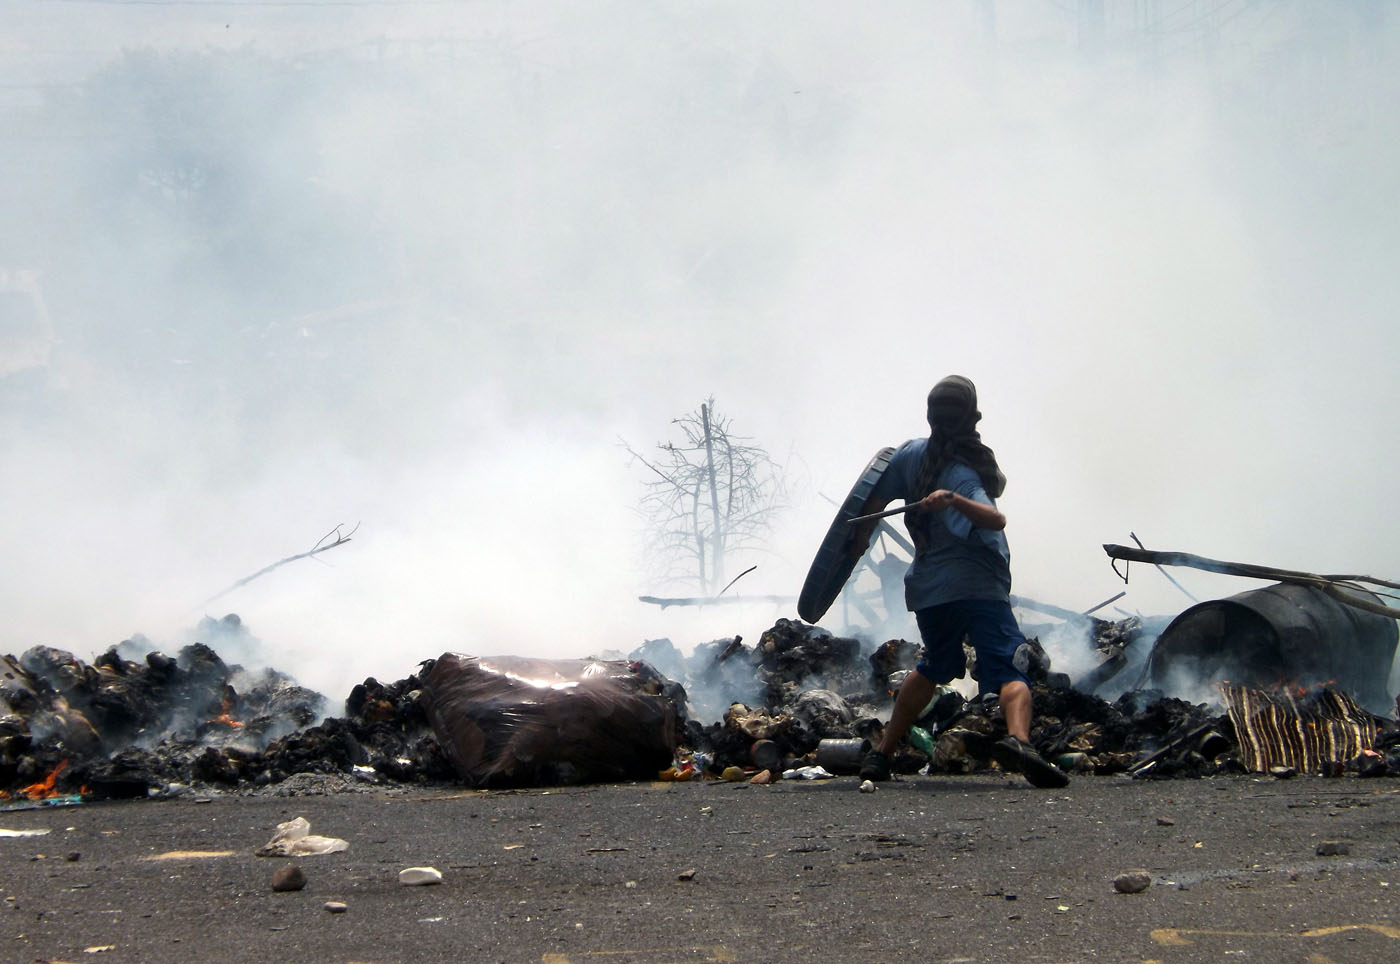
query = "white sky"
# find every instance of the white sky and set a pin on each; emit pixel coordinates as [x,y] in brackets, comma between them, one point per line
[445,278]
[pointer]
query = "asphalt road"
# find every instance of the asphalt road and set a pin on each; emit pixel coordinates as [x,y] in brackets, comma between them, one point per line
[973,868]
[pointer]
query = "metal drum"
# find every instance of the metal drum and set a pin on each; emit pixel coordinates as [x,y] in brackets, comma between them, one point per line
[1281,635]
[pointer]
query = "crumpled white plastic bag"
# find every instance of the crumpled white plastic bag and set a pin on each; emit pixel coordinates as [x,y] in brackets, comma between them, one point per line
[294,839]
[807,773]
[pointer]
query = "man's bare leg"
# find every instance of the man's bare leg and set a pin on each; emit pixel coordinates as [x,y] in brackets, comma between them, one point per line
[1016,707]
[914,694]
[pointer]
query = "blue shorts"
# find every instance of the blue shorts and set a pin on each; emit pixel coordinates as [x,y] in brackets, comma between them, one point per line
[991,628]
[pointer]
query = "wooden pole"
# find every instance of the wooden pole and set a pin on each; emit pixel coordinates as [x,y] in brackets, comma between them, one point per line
[1335,586]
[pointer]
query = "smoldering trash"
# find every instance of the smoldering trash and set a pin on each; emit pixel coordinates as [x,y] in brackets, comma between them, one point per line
[132,724]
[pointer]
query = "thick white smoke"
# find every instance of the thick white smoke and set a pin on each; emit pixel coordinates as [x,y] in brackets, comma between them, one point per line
[420,266]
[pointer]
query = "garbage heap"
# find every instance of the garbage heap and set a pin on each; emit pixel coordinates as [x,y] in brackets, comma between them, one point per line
[122,727]
[813,689]
[127,727]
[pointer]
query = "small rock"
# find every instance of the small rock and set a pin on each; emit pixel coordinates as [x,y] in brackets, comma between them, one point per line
[732,774]
[1166,822]
[73,857]
[762,777]
[867,786]
[1333,848]
[336,906]
[1283,772]
[686,874]
[420,876]
[288,878]
[1132,882]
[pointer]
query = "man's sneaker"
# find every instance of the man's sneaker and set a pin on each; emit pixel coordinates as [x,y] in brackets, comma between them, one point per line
[1018,757]
[875,766]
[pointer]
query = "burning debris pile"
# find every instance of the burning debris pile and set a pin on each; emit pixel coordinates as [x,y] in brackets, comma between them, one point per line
[811,688]
[125,727]
[121,728]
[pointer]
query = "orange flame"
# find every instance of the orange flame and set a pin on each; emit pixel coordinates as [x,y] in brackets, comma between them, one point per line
[45,787]
[226,715]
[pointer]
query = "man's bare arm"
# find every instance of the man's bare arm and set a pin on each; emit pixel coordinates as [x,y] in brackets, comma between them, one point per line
[980,514]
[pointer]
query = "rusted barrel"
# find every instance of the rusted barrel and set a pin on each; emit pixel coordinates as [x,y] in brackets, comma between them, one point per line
[1280,635]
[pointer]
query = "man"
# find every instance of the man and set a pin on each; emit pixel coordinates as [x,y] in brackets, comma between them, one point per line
[960,581]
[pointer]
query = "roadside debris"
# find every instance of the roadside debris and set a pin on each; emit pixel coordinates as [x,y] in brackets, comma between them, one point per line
[420,876]
[1132,882]
[294,839]
[1305,733]
[841,756]
[191,725]
[808,773]
[288,878]
[512,721]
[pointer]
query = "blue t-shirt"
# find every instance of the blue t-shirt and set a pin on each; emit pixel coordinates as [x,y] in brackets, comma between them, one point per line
[959,561]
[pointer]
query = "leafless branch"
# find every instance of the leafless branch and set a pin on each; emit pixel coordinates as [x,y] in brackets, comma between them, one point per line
[327,542]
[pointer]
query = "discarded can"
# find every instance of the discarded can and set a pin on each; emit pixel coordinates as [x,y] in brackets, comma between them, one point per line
[766,755]
[842,756]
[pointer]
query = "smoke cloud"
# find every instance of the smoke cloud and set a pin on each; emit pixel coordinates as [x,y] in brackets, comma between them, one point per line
[420,266]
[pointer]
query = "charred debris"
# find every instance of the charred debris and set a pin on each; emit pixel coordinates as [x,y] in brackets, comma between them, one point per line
[134,724]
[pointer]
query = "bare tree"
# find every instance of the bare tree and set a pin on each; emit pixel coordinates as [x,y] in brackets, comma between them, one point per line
[710,494]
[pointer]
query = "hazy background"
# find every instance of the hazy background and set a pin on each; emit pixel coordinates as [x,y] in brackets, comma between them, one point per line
[421,266]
